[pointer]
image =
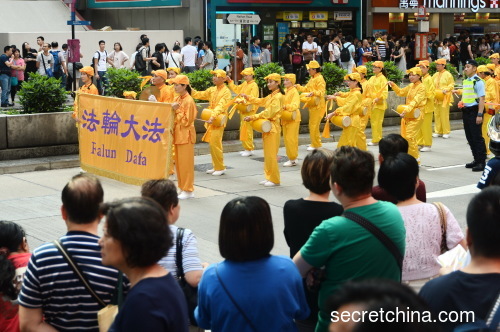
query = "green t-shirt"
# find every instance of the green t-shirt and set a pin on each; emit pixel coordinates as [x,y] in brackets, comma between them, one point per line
[350,252]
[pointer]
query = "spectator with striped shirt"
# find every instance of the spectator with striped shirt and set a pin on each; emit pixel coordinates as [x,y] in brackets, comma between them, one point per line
[381,46]
[52,297]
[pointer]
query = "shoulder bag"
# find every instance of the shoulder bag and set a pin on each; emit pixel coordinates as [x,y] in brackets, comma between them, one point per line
[190,292]
[444,226]
[386,241]
[107,314]
[13,79]
[47,71]
[172,57]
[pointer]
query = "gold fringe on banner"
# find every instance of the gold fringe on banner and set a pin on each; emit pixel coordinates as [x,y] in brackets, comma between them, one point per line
[232,111]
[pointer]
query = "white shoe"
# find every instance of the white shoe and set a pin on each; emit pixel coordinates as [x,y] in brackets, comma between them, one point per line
[372,144]
[186,195]
[310,148]
[290,163]
[247,153]
[270,184]
[210,171]
[219,173]
[263,182]
[425,149]
[436,135]
[446,136]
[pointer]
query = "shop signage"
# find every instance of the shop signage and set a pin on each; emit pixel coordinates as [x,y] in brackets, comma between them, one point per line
[396,17]
[243,19]
[474,5]
[318,16]
[342,16]
[292,16]
[405,4]
[133,3]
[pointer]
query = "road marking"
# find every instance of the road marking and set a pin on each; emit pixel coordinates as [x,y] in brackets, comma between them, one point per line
[445,167]
[463,190]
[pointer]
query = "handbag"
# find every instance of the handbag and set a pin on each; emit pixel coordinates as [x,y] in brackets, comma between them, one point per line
[444,225]
[107,314]
[14,81]
[190,292]
[47,71]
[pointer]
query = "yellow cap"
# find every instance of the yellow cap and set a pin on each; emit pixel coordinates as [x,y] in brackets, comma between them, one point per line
[180,79]
[218,73]
[177,70]
[495,56]
[379,64]
[424,63]
[313,65]
[87,70]
[290,77]
[440,62]
[352,77]
[130,94]
[482,69]
[274,77]
[247,71]
[163,74]
[414,71]
[360,69]
[491,66]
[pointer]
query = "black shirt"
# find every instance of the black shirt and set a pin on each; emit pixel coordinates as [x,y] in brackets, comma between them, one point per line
[30,65]
[159,59]
[285,53]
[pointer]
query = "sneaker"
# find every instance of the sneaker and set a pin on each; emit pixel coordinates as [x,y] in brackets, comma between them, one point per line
[478,168]
[372,144]
[270,184]
[219,173]
[310,148]
[263,182]
[425,149]
[186,195]
[471,164]
[210,171]
[446,136]
[247,153]
[290,163]
[436,135]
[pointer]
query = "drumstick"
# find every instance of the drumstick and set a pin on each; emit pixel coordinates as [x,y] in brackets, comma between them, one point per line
[201,120]
[392,109]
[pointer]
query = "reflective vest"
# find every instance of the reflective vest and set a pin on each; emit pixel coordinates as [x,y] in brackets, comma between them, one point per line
[469,95]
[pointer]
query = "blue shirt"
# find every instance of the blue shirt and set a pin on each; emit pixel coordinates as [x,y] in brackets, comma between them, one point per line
[489,173]
[4,69]
[268,290]
[478,88]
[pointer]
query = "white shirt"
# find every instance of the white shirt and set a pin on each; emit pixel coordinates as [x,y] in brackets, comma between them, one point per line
[189,53]
[132,60]
[174,60]
[307,46]
[118,58]
[101,64]
[47,59]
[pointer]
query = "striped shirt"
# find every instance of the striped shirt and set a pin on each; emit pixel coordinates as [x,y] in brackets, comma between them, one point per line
[381,48]
[190,259]
[50,283]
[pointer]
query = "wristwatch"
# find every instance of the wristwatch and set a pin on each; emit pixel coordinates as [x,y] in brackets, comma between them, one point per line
[479,114]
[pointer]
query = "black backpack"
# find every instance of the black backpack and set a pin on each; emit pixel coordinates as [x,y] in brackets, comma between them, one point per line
[345,54]
[140,64]
[283,55]
[98,58]
[325,52]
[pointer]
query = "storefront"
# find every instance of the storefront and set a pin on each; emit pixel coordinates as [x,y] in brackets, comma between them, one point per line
[446,17]
[278,18]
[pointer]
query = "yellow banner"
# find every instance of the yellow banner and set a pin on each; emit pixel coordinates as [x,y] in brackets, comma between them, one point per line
[126,140]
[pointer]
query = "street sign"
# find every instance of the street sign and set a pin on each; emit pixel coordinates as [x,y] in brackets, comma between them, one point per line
[243,19]
[78,22]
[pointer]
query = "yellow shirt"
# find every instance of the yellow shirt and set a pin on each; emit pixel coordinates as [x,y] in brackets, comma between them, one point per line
[378,89]
[272,108]
[166,93]
[351,103]
[291,102]
[415,95]
[248,88]
[491,92]
[429,93]
[443,80]
[317,86]
[497,72]
[184,132]
[218,97]
[88,88]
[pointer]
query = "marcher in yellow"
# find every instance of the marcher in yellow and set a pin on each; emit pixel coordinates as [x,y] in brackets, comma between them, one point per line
[491,96]
[184,136]
[366,107]
[495,59]
[378,93]
[415,98]
[88,87]
[350,105]
[273,104]
[424,137]
[250,88]
[315,92]
[159,80]
[218,96]
[291,104]
[444,83]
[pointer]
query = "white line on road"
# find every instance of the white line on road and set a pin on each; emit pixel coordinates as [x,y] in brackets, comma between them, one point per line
[445,167]
[464,190]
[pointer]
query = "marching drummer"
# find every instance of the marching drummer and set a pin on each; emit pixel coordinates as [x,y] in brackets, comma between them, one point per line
[366,107]
[218,96]
[250,88]
[290,120]
[443,82]
[415,99]
[425,133]
[378,94]
[273,104]
[350,105]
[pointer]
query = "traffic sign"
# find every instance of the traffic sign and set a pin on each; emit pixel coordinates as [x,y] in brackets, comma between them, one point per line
[78,22]
[243,19]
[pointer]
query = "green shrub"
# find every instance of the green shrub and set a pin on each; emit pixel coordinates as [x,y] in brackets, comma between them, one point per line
[263,71]
[334,77]
[449,67]
[483,61]
[200,80]
[42,94]
[122,79]
[393,73]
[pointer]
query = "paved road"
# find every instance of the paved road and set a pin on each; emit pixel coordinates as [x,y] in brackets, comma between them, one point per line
[33,199]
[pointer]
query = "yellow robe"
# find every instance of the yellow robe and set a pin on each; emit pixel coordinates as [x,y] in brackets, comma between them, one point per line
[88,88]
[415,98]
[363,118]
[218,97]
[443,81]
[250,89]
[491,96]
[379,90]
[317,86]
[291,103]
[273,105]
[350,105]
[425,133]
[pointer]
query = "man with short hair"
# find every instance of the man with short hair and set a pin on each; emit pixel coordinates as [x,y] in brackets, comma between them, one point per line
[381,45]
[59,67]
[53,297]
[45,61]
[309,49]
[475,287]
[189,53]
[100,66]
[40,41]
[347,250]
[5,72]
[348,65]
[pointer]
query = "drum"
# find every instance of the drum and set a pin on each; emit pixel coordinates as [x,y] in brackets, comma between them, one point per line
[262,125]
[288,115]
[219,121]
[244,108]
[341,121]
[309,101]
[150,90]
[412,115]
[439,95]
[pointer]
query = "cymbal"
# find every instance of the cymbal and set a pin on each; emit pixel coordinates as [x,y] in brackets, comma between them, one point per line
[150,90]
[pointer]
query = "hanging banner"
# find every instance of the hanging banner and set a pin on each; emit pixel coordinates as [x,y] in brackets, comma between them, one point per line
[421,46]
[396,17]
[283,30]
[125,140]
